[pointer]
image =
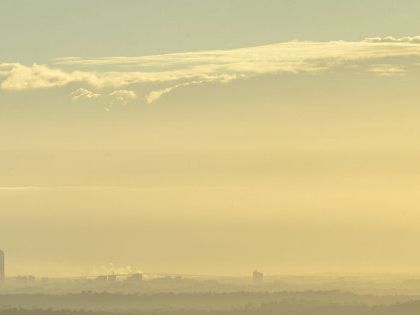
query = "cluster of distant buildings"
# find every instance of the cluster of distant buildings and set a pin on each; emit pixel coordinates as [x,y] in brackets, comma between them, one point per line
[257,277]
[136,277]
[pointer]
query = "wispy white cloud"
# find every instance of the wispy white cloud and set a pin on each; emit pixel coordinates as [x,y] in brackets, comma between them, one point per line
[117,97]
[123,96]
[391,39]
[82,93]
[21,77]
[387,70]
[153,96]
[120,97]
[183,69]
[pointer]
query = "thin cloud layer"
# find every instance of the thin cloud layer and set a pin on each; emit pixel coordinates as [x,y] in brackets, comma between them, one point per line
[220,66]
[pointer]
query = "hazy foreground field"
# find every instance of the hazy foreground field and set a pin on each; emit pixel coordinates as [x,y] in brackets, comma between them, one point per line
[206,297]
[314,303]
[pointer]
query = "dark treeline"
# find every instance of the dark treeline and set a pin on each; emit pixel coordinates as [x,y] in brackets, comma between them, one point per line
[286,308]
[235,303]
[206,301]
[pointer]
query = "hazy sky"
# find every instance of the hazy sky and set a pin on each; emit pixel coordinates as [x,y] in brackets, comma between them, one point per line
[209,136]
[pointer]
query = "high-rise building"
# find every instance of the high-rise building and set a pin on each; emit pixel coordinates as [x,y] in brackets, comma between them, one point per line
[257,277]
[2,274]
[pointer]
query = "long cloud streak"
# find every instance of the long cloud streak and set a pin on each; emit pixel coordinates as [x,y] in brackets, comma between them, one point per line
[183,69]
